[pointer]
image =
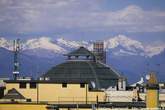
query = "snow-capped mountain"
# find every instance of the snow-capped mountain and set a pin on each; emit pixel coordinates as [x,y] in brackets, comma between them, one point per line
[126,42]
[127,55]
[6,44]
[42,47]
[120,45]
[43,43]
[152,50]
[70,45]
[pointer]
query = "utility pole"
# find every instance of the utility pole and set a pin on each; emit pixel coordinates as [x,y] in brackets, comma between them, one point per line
[16,50]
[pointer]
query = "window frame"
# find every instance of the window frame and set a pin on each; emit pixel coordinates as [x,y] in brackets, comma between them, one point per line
[64,85]
[82,85]
[22,85]
[33,85]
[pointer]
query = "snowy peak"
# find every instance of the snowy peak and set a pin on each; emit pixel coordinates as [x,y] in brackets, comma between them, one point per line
[5,44]
[152,50]
[123,41]
[120,45]
[43,43]
[71,44]
[125,45]
[63,42]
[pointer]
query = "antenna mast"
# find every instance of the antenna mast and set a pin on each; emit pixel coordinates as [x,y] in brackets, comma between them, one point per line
[16,50]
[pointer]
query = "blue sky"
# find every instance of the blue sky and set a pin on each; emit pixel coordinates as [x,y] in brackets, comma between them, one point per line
[143,20]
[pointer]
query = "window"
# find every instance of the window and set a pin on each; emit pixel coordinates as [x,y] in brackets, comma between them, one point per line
[28,100]
[33,85]
[22,85]
[82,85]
[64,85]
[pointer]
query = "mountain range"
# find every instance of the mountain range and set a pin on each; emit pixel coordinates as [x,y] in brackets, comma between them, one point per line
[130,57]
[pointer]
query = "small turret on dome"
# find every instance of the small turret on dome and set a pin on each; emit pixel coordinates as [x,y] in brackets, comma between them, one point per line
[81,54]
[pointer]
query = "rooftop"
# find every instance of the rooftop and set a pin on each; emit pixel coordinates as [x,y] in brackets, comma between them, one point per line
[95,73]
[80,52]
[13,94]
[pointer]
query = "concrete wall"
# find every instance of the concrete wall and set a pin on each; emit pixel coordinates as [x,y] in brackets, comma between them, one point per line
[119,96]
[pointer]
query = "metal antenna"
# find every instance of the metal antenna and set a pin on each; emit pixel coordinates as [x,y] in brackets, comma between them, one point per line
[16,50]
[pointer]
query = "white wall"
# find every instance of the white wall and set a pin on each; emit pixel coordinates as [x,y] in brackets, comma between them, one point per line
[119,96]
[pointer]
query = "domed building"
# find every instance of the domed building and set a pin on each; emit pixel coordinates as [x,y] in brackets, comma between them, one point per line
[83,77]
[82,66]
[82,81]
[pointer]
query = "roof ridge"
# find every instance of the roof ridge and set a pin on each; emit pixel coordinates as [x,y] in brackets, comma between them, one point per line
[13,94]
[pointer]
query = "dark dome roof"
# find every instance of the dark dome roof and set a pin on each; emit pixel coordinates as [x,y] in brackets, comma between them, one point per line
[84,71]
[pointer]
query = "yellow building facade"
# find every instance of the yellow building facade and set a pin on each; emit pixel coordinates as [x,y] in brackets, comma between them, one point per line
[58,92]
[23,107]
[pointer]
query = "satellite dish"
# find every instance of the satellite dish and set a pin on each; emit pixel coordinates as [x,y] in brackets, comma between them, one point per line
[93,84]
[147,77]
